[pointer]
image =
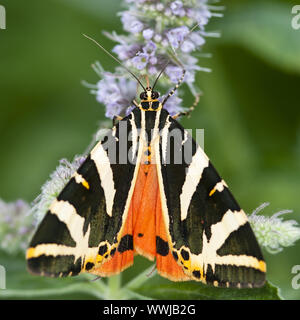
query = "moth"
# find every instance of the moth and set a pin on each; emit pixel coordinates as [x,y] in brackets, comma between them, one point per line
[165,202]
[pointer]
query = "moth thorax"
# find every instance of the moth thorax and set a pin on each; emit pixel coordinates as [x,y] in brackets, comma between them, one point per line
[150,105]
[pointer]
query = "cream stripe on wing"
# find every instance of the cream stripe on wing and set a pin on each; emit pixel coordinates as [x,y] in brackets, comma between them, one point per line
[164,139]
[220,231]
[220,186]
[242,261]
[156,124]
[51,249]
[67,214]
[134,135]
[194,173]
[100,157]
[75,223]
[232,220]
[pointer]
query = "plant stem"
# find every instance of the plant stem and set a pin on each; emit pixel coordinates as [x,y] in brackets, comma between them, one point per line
[140,279]
[114,288]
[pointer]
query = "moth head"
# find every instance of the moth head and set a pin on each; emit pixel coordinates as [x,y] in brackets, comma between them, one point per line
[149,95]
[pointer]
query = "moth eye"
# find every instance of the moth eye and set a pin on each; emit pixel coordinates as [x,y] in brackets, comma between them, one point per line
[154,95]
[143,96]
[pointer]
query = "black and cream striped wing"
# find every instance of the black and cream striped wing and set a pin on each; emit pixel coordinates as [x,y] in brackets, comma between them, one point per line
[210,236]
[82,227]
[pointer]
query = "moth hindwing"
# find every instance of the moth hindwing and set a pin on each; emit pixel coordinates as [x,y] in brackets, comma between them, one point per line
[165,202]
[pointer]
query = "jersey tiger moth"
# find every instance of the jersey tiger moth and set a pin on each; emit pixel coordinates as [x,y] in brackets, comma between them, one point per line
[165,202]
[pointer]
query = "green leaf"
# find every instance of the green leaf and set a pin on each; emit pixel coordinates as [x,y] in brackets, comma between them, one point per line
[158,288]
[265,29]
[145,286]
[22,285]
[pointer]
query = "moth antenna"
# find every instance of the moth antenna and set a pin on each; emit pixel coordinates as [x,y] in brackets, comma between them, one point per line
[160,73]
[116,59]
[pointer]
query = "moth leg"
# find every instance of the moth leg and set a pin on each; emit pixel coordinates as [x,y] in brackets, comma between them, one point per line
[135,103]
[116,119]
[190,109]
[176,87]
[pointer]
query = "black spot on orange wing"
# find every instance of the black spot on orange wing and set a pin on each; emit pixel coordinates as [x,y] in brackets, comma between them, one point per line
[162,247]
[165,259]
[120,258]
[126,243]
[175,255]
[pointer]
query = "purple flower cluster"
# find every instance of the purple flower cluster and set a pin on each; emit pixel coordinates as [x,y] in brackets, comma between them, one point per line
[116,94]
[158,26]
[16,225]
[51,188]
[157,32]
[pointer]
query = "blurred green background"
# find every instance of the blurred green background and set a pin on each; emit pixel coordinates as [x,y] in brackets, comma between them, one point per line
[249,109]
